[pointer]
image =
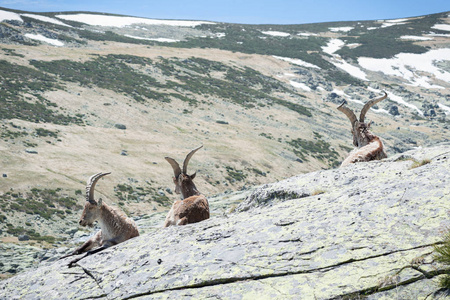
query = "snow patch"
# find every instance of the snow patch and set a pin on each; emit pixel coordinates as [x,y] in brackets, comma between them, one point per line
[350,69]
[390,23]
[333,46]
[307,34]
[296,61]
[7,15]
[407,66]
[353,45]
[396,21]
[445,27]
[416,38]
[438,34]
[445,108]
[276,33]
[45,19]
[398,100]
[163,40]
[343,29]
[300,85]
[40,37]
[117,21]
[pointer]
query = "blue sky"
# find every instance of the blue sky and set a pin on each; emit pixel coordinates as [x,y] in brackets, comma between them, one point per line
[244,11]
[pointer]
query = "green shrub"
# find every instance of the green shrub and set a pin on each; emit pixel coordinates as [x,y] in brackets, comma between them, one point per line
[19,80]
[45,203]
[127,193]
[318,149]
[46,133]
[234,175]
[442,255]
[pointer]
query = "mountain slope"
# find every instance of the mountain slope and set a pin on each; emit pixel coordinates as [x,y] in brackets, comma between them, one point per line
[88,92]
[368,234]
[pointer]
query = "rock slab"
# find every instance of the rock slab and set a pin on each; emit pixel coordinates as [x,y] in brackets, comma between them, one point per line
[363,231]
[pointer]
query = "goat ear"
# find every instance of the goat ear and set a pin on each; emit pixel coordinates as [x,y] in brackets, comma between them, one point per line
[368,125]
[193,176]
[99,202]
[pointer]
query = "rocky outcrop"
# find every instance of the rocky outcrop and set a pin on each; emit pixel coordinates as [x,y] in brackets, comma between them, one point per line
[366,230]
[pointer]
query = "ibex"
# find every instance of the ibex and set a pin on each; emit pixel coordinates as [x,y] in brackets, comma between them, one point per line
[193,206]
[368,146]
[115,227]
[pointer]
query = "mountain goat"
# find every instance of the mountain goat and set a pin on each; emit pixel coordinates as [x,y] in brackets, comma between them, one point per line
[115,227]
[368,146]
[193,206]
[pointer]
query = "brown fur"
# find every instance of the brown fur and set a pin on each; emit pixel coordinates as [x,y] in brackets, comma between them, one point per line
[372,151]
[193,206]
[115,226]
[368,146]
[187,211]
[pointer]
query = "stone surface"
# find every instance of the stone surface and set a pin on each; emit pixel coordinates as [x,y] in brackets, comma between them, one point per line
[366,230]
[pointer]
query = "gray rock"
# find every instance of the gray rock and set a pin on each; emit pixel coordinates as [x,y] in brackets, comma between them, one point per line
[120,126]
[71,231]
[393,110]
[31,151]
[365,230]
[23,237]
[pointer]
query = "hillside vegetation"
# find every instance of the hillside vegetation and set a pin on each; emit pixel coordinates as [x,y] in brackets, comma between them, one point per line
[79,98]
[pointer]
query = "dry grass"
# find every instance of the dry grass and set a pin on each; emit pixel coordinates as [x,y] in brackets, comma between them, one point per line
[417,164]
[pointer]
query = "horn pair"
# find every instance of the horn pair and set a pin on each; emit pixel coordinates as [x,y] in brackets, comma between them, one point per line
[90,187]
[351,115]
[176,167]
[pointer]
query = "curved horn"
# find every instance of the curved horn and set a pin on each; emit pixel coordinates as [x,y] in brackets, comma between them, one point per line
[368,105]
[90,187]
[175,166]
[348,112]
[188,157]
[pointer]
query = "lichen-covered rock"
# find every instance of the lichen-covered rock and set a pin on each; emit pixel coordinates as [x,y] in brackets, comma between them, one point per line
[367,229]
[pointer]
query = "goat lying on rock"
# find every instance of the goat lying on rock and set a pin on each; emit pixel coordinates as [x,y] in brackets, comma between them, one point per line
[115,227]
[193,206]
[369,146]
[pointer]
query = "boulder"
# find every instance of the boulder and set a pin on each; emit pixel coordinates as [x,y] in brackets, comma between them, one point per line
[23,237]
